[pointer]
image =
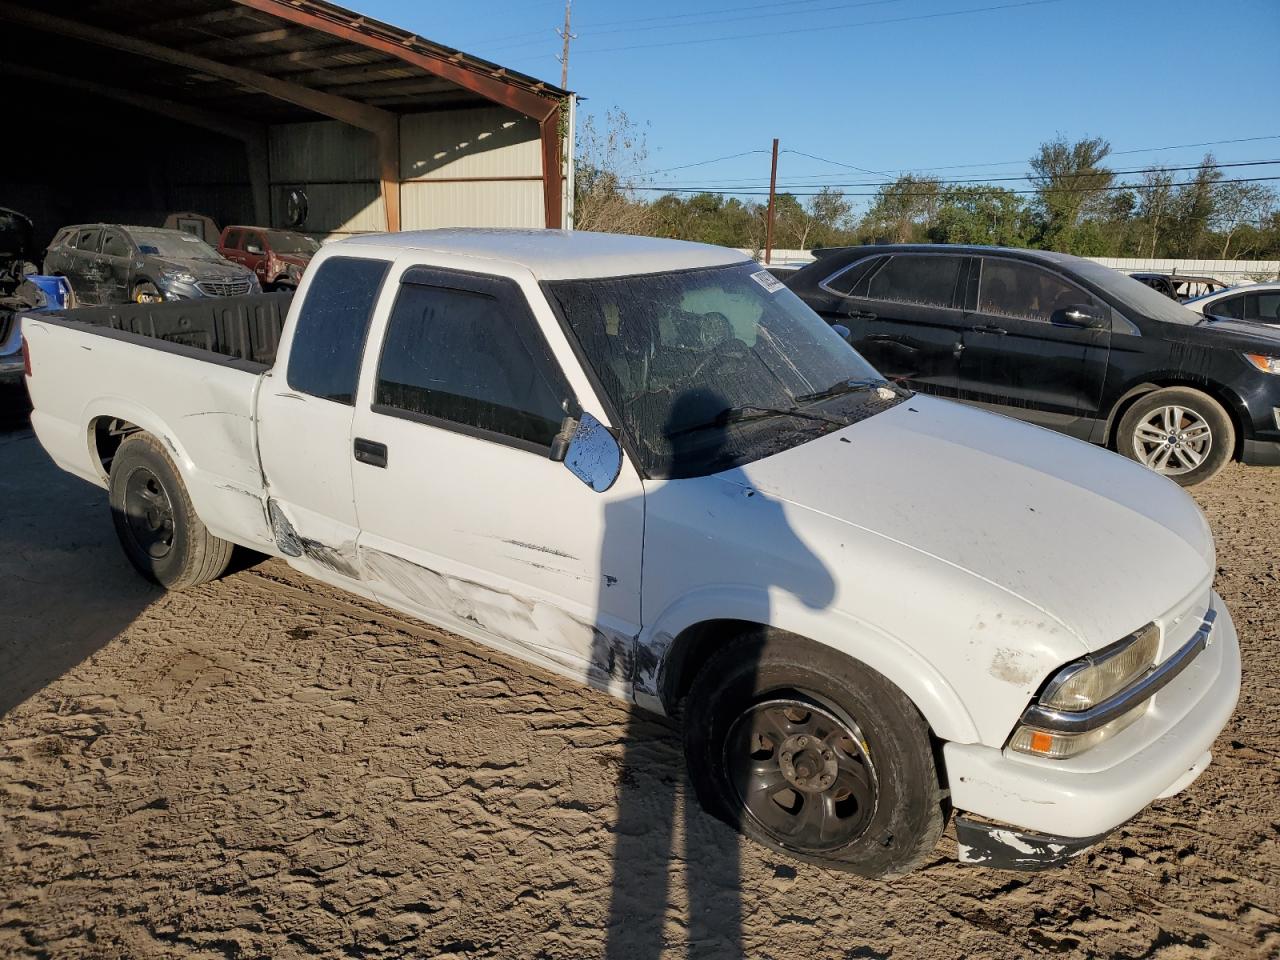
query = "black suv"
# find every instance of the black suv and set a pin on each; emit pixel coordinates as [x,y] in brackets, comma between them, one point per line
[110,263]
[1062,342]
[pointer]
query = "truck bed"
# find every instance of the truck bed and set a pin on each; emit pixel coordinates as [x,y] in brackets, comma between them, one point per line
[242,328]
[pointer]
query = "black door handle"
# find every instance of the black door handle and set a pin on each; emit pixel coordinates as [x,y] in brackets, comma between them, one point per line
[990,328]
[371,452]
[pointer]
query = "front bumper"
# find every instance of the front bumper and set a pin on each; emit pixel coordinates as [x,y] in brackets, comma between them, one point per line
[1075,802]
[182,290]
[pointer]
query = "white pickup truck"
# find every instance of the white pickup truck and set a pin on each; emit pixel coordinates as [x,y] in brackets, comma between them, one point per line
[646,465]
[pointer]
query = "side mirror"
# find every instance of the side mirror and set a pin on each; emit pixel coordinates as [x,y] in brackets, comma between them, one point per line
[845,333]
[589,451]
[1084,315]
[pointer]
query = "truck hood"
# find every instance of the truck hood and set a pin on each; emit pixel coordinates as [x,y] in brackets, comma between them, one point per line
[1096,542]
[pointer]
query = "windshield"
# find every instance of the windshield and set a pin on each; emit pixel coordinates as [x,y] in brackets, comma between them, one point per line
[717,367]
[1134,294]
[173,245]
[283,242]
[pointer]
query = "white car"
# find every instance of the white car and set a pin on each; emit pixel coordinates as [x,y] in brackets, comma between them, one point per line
[646,465]
[1259,302]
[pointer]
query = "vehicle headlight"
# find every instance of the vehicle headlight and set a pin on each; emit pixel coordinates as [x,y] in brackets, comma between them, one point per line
[1264,363]
[1083,685]
[177,276]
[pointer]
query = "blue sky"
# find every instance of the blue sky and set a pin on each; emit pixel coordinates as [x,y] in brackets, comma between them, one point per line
[973,88]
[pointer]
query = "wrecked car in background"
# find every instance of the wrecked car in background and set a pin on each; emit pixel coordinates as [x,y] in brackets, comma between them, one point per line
[872,608]
[111,263]
[276,257]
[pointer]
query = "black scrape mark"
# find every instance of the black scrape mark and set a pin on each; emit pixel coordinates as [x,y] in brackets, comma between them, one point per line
[534,546]
[609,581]
[1032,509]
[913,409]
[845,440]
[751,493]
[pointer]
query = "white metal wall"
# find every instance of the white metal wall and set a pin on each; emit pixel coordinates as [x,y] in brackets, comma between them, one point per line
[470,168]
[337,166]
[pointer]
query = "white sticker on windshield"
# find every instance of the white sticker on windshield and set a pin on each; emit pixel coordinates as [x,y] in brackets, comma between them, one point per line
[767,280]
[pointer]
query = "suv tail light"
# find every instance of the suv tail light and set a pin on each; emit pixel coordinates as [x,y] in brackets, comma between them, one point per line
[26,358]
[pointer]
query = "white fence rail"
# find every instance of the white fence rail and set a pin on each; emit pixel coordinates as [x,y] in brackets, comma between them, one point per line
[1228,271]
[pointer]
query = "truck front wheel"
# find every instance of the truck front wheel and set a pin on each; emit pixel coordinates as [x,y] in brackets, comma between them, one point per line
[814,755]
[157,525]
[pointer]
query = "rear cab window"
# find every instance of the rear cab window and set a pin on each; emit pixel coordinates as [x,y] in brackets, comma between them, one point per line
[332,325]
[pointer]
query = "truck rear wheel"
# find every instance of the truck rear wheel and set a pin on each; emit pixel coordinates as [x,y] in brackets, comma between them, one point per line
[157,525]
[813,755]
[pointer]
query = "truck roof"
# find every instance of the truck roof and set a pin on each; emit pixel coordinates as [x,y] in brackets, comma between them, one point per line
[560,254]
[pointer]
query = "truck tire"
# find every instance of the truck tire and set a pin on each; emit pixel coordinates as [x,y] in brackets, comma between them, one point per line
[157,525]
[814,755]
[1179,432]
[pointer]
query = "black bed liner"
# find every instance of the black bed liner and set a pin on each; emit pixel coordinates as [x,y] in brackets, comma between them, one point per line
[244,328]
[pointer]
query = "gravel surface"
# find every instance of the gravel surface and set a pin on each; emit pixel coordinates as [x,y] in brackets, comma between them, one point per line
[266,767]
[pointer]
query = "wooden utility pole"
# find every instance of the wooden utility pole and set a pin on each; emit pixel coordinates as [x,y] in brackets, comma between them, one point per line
[564,53]
[773,189]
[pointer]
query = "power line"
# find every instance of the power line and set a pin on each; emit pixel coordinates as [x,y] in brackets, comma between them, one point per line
[1030,176]
[703,163]
[1113,187]
[827,28]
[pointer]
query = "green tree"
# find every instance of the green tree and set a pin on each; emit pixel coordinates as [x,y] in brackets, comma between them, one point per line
[902,210]
[981,214]
[1070,185]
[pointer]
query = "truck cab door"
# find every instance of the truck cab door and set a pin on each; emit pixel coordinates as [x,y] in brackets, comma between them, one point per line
[466,518]
[83,270]
[305,408]
[1036,346]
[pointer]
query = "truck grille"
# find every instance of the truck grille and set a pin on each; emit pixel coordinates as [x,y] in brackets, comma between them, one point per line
[223,288]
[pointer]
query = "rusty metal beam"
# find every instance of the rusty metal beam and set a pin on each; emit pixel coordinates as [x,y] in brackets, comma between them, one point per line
[373,119]
[552,179]
[491,86]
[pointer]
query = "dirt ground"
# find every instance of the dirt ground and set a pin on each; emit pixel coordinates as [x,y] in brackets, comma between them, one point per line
[265,767]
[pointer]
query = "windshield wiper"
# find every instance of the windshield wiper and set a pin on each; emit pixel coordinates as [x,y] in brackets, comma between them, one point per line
[839,389]
[750,411]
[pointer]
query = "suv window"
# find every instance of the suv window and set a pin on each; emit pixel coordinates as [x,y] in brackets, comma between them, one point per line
[848,281]
[1264,307]
[472,360]
[115,245]
[252,239]
[1232,307]
[87,239]
[328,339]
[926,280]
[233,241]
[1024,291]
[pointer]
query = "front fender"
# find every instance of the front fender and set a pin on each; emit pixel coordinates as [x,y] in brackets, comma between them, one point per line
[933,696]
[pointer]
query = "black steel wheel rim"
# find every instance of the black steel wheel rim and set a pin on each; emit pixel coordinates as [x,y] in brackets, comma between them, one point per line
[801,773]
[148,513]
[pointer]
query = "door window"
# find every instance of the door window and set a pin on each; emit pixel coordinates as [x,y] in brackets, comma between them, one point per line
[1023,291]
[468,360]
[115,245]
[233,241]
[87,239]
[1232,307]
[851,281]
[928,281]
[1265,307]
[328,338]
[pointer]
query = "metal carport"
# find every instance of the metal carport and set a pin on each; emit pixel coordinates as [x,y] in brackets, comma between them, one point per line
[370,117]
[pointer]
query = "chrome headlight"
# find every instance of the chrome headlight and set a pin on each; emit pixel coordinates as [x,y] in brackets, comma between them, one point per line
[1264,363]
[177,276]
[1083,685]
